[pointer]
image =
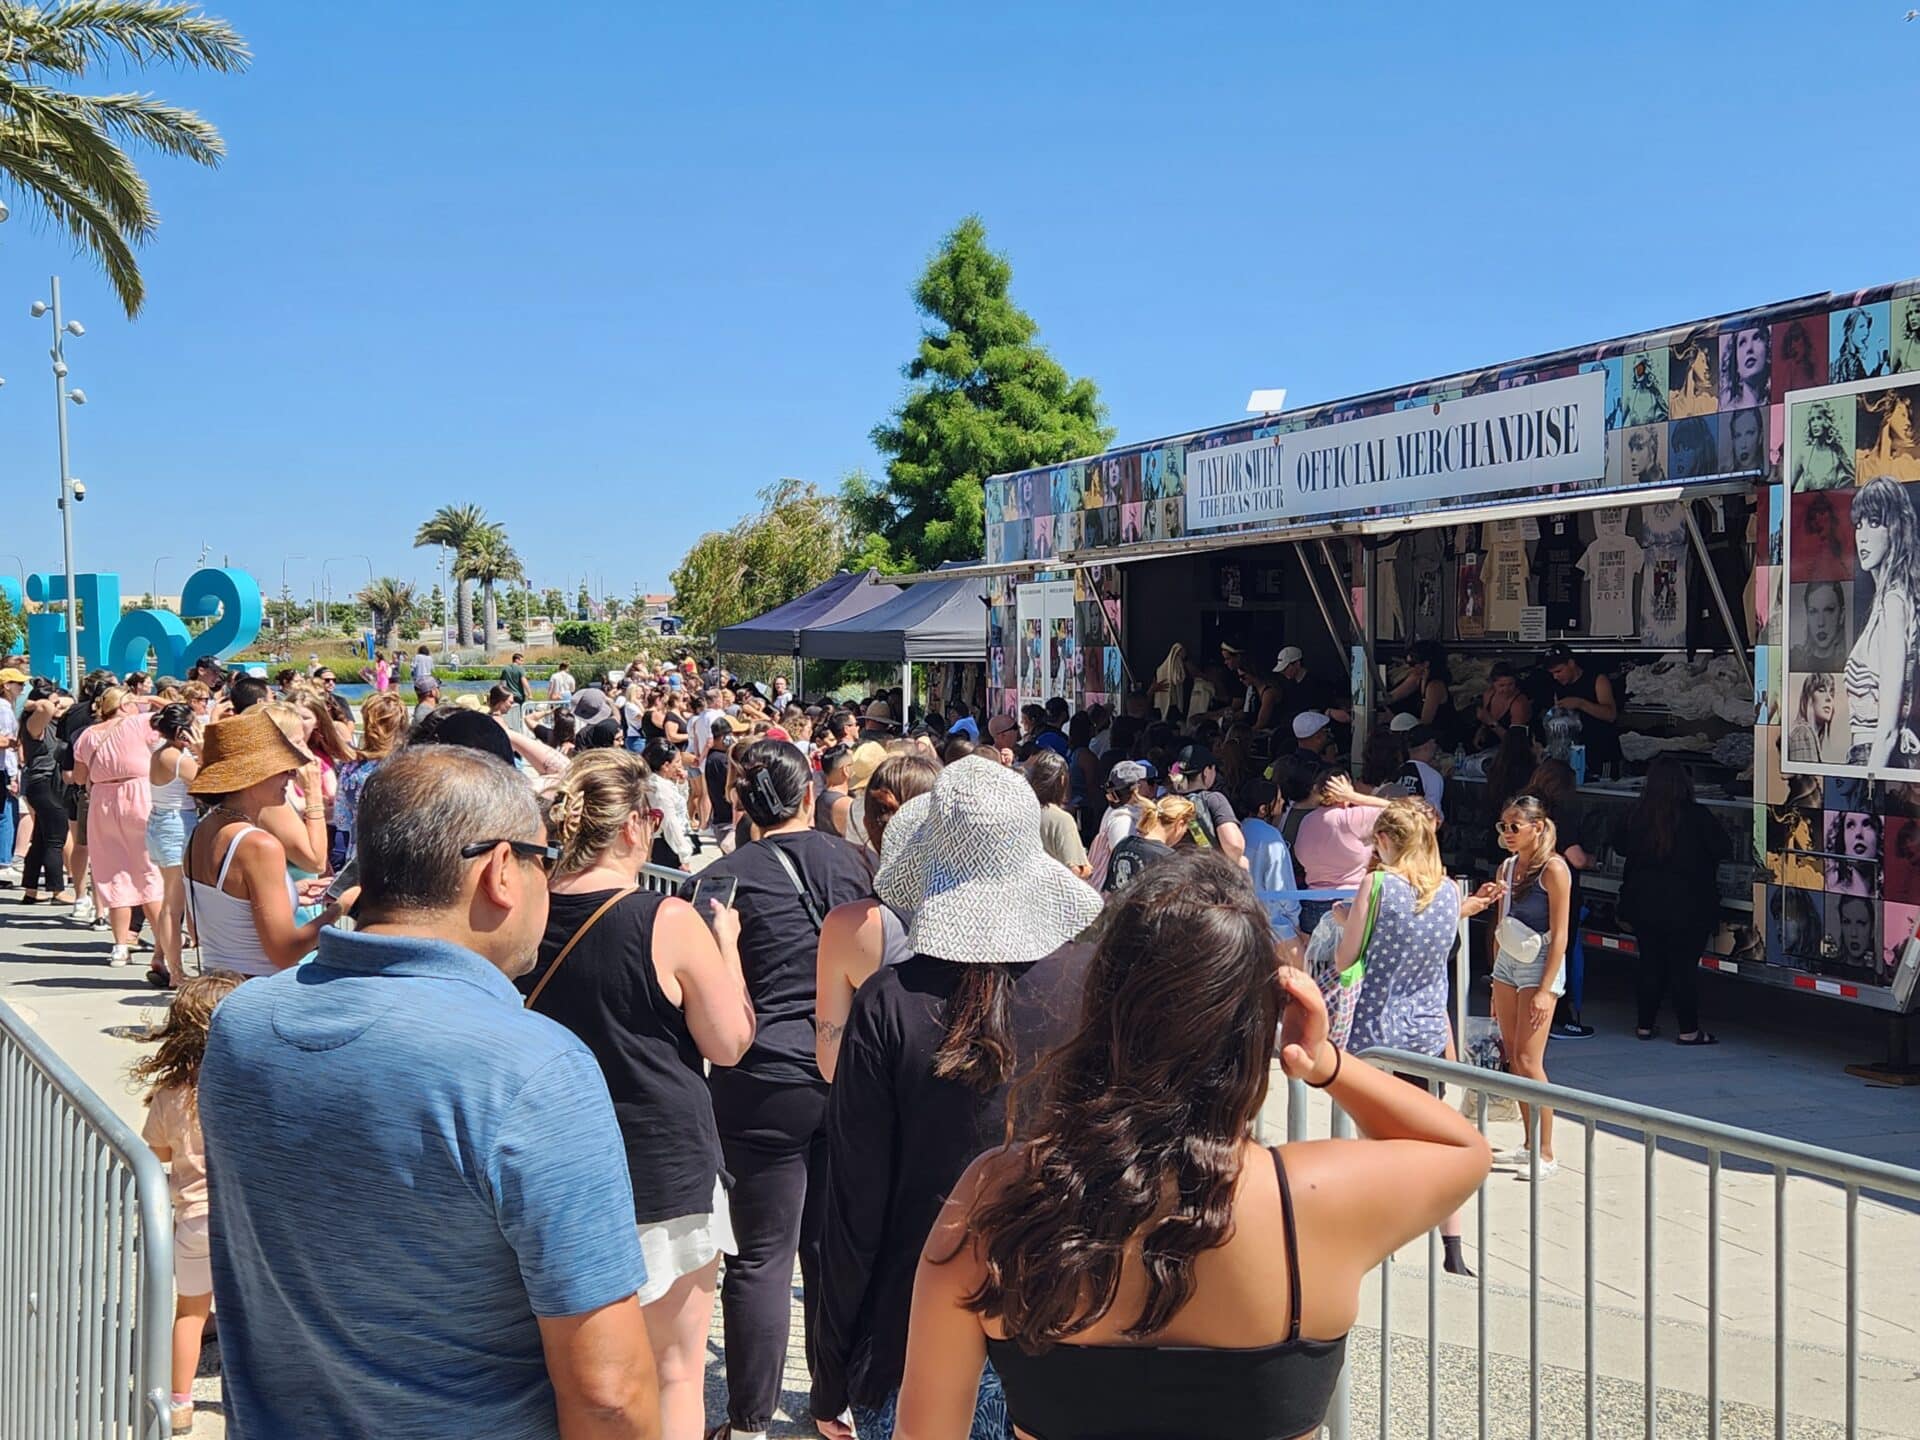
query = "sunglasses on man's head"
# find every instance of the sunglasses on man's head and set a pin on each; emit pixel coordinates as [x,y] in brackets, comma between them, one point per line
[547,855]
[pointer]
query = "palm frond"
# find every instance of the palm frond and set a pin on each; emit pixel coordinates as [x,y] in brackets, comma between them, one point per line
[46,122]
[89,32]
[170,129]
[75,209]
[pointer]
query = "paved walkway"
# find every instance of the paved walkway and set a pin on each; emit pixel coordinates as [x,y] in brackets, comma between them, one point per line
[1778,1070]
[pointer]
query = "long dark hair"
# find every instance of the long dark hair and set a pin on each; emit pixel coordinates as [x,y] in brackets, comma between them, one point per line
[771,781]
[1555,783]
[978,1050]
[1142,1114]
[1507,772]
[1665,802]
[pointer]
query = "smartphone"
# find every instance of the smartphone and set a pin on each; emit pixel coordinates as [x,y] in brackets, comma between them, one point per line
[718,888]
[348,877]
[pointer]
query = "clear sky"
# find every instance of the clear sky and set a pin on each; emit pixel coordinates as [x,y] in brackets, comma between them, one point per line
[608,269]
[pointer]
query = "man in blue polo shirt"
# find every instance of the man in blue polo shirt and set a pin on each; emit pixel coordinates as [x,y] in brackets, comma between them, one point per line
[421,1218]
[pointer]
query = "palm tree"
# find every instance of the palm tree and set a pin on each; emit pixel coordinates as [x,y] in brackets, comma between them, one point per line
[391,601]
[490,559]
[456,527]
[64,152]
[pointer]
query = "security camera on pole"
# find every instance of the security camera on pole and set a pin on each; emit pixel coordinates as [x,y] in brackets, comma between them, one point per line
[72,492]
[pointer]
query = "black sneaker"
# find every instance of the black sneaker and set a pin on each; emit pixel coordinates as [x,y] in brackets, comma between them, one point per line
[1572,1030]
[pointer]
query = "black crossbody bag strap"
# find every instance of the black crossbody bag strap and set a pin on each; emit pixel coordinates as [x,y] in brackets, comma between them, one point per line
[799,887]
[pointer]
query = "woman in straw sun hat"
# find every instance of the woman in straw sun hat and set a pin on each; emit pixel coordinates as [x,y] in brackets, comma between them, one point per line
[930,1048]
[240,894]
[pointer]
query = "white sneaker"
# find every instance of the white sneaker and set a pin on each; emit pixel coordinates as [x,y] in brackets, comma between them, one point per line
[9,875]
[122,955]
[1513,1155]
[1548,1169]
[83,910]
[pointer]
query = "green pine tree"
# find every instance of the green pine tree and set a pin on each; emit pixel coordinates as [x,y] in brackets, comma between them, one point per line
[984,399]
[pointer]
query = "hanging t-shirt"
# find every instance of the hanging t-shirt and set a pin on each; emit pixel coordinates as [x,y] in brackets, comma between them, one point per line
[1470,599]
[1728,550]
[1560,576]
[1429,608]
[1387,612]
[1611,564]
[1663,590]
[1506,575]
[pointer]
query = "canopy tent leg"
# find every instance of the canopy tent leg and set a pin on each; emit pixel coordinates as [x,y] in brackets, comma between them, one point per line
[906,693]
[799,677]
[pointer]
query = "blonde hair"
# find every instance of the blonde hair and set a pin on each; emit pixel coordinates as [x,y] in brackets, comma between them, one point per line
[1408,826]
[1170,817]
[383,720]
[286,715]
[1527,866]
[108,703]
[194,691]
[183,1034]
[593,800]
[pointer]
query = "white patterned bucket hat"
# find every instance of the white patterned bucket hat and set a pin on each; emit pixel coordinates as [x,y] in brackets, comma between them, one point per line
[974,876]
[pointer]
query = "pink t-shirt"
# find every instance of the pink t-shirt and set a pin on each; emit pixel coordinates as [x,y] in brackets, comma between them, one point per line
[1335,845]
[173,1124]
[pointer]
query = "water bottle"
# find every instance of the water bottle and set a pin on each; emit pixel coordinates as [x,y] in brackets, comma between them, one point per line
[1577,758]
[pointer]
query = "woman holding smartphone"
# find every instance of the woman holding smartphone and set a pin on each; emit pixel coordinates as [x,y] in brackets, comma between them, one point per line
[653,986]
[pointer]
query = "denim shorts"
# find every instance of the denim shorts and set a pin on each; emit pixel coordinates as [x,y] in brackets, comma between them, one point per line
[1509,970]
[167,834]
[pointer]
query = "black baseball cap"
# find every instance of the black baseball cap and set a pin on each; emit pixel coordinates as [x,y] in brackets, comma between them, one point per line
[1192,759]
[1558,654]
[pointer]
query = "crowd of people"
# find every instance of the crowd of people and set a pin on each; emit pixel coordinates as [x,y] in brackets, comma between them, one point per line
[967,1016]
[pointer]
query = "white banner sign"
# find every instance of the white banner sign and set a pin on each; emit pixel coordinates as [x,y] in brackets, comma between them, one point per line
[1552,432]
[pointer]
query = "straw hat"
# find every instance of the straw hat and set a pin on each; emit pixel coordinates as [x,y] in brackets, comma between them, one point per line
[243,750]
[979,884]
[865,760]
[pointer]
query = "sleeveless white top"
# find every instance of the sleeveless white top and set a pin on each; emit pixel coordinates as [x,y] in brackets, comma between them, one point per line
[229,939]
[173,795]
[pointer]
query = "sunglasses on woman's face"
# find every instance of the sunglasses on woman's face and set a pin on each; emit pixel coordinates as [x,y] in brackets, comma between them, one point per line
[1512,827]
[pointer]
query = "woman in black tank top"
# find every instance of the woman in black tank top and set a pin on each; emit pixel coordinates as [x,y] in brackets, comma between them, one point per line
[1238,1332]
[656,995]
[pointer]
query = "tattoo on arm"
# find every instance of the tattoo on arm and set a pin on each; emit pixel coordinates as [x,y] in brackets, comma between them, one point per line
[831,1031]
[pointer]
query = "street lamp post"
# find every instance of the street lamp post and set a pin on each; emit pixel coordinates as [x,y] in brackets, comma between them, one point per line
[286,592]
[70,491]
[153,594]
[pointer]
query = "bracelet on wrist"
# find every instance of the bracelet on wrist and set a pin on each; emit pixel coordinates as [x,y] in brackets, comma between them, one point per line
[1323,1084]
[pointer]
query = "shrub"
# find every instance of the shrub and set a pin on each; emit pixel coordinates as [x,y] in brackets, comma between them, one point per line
[592,636]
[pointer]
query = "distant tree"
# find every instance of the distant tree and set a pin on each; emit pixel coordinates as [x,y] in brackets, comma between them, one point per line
[437,607]
[390,601]
[63,152]
[488,560]
[797,540]
[553,604]
[592,636]
[985,398]
[457,527]
[10,626]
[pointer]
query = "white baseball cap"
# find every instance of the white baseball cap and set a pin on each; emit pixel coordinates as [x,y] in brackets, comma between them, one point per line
[1404,722]
[1309,722]
[1292,655]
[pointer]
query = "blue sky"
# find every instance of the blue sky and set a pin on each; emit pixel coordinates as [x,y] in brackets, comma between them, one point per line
[608,269]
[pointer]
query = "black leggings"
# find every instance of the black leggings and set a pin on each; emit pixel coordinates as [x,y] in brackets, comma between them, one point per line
[774,1138]
[1669,960]
[46,797]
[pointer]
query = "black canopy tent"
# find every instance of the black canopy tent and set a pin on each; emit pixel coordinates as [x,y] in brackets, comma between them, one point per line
[931,622]
[780,631]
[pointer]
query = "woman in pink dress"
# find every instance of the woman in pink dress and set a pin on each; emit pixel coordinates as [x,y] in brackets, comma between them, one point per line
[112,758]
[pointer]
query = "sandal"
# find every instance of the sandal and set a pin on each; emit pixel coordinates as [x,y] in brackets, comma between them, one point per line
[1700,1037]
[1653,1034]
[159,978]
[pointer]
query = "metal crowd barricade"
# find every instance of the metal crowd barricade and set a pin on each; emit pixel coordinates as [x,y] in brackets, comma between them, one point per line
[1721,1144]
[86,1258]
[661,880]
